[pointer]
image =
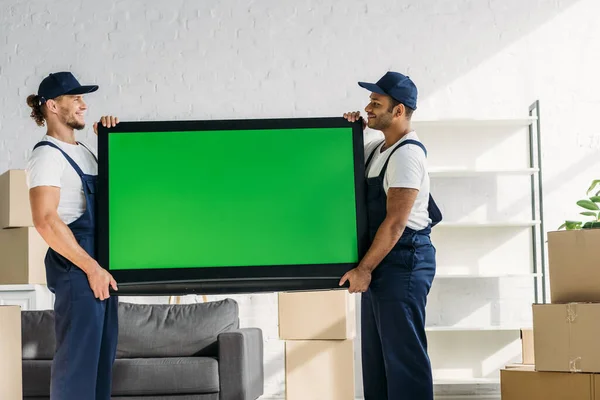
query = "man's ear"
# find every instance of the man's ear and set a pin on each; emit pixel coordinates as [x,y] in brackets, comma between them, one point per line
[51,106]
[400,110]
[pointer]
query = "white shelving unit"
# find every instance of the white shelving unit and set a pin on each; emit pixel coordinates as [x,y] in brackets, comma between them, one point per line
[463,352]
[462,173]
[485,275]
[458,328]
[478,123]
[488,224]
[28,297]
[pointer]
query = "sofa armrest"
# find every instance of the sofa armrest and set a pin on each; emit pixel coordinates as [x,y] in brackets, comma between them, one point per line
[241,369]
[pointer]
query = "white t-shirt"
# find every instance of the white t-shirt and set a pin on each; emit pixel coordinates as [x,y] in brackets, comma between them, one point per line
[407,168]
[47,166]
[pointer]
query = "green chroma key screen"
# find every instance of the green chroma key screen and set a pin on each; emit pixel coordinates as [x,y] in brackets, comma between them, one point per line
[229,198]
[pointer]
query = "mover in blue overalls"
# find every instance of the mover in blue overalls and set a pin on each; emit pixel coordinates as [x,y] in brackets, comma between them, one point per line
[62,176]
[397,271]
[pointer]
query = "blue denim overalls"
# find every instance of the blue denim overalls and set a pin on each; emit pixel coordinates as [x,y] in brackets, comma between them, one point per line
[86,328]
[395,362]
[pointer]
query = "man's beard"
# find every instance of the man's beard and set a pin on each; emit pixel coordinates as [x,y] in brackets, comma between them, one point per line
[74,124]
[380,123]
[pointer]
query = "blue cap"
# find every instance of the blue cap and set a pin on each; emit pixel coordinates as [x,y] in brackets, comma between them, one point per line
[394,84]
[62,83]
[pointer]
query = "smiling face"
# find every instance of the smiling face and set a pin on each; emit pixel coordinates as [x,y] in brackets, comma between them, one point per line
[380,112]
[70,110]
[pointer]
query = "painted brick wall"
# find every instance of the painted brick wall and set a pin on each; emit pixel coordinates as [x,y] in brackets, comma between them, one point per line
[186,59]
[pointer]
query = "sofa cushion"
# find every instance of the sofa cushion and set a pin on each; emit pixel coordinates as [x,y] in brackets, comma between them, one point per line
[149,376]
[37,335]
[162,376]
[181,330]
[36,378]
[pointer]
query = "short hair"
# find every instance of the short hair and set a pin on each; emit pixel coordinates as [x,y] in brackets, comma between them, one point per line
[394,103]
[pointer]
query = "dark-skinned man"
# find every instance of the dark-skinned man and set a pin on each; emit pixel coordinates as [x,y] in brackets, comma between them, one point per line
[396,273]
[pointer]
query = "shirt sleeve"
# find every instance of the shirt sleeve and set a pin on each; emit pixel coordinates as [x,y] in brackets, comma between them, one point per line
[45,167]
[406,168]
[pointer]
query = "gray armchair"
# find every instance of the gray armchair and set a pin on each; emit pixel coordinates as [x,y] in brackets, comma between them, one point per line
[165,352]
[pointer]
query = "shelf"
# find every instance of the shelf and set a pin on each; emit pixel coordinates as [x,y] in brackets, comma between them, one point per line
[498,275]
[474,328]
[505,224]
[19,287]
[451,122]
[457,173]
[466,381]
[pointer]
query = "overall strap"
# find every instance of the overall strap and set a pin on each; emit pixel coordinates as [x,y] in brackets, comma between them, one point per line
[88,149]
[407,141]
[69,159]
[372,154]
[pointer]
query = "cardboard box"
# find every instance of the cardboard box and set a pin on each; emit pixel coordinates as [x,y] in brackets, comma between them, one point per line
[11,375]
[319,370]
[524,383]
[22,262]
[317,315]
[566,337]
[527,346]
[15,211]
[574,266]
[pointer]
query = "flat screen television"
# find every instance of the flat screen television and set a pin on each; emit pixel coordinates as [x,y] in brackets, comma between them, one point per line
[233,206]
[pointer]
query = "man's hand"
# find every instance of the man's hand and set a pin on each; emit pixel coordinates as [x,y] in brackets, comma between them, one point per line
[99,280]
[359,278]
[107,121]
[354,116]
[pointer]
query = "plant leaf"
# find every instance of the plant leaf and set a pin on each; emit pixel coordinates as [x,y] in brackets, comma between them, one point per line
[595,182]
[589,214]
[591,225]
[595,199]
[588,204]
[571,225]
[561,227]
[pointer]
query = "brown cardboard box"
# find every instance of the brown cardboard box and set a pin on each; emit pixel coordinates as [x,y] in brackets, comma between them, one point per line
[22,261]
[525,383]
[317,315]
[319,370]
[566,337]
[574,266]
[15,211]
[11,376]
[527,346]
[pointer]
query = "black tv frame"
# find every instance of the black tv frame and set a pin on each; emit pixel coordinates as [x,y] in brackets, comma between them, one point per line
[227,280]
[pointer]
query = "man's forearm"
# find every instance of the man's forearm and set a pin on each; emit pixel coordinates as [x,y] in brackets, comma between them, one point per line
[387,236]
[60,238]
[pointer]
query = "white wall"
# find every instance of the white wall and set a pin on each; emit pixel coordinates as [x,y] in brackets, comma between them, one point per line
[236,59]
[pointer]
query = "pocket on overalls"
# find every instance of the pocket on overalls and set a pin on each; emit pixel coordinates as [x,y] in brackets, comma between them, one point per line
[424,254]
[403,256]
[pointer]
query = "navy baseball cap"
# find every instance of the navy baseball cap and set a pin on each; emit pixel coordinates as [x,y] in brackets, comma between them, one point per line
[61,83]
[394,84]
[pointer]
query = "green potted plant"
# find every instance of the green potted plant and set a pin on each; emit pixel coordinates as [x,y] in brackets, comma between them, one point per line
[573,264]
[592,205]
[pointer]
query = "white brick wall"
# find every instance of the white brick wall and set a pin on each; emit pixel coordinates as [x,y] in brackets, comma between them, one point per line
[278,58]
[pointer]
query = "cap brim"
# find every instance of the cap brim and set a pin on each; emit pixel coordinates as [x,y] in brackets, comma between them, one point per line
[372,87]
[83,89]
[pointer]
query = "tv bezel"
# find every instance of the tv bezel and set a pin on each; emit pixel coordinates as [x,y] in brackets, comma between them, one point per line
[221,280]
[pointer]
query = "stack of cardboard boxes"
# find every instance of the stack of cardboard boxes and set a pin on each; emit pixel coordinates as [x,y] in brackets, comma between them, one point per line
[22,249]
[566,332]
[11,376]
[22,253]
[319,328]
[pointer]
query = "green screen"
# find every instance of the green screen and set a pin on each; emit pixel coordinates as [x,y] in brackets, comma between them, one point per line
[231,198]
